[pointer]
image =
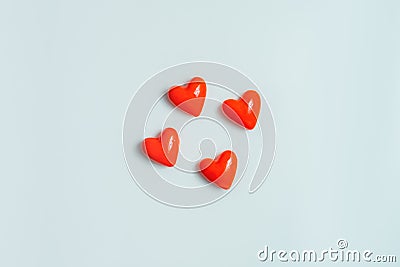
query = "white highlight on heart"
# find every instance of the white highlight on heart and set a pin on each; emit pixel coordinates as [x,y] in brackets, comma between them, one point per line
[251,104]
[197,91]
[170,143]
[228,164]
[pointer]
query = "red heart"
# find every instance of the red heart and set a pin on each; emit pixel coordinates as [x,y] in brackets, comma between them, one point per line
[189,98]
[163,149]
[245,110]
[220,171]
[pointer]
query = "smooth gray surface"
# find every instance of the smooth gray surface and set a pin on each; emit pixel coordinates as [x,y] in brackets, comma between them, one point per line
[330,70]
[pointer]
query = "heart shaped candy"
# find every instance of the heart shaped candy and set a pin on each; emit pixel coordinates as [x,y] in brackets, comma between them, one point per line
[189,98]
[245,110]
[163,149]
[220,171]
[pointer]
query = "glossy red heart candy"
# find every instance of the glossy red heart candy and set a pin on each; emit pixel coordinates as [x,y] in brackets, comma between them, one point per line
[220,171]
[245,110]
[164,148]
[189,98]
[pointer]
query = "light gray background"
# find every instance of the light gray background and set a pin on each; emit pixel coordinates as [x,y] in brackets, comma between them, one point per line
[330,70]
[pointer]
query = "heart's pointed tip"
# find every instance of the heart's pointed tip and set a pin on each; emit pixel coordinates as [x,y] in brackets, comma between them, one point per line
[250,127]
[225,187]
[196,114]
